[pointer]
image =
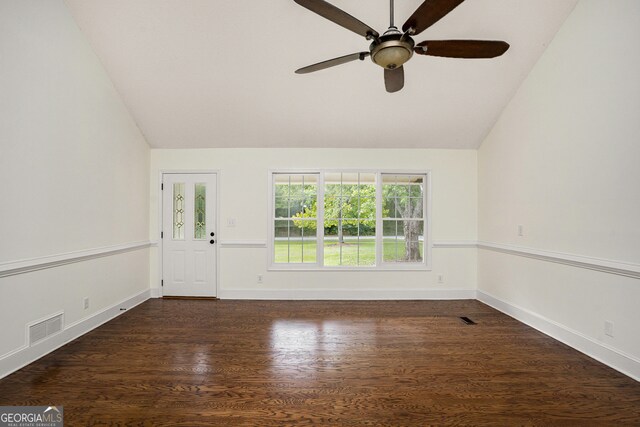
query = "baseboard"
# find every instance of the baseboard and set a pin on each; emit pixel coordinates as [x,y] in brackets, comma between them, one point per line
[29,354]
[612,357]
[616,359]
[361,294]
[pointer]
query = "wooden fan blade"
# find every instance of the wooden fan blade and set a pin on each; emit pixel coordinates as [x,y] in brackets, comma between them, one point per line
[394,79]
[469,49]
[338,16]
[332,62]
[428,13]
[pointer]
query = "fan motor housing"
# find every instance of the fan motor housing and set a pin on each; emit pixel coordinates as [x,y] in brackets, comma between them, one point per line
[392,49]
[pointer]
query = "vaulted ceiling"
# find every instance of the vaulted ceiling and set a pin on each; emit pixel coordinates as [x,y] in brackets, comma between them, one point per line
[220,73]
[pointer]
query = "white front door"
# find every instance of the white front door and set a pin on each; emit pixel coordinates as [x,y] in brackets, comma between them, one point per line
[189,234]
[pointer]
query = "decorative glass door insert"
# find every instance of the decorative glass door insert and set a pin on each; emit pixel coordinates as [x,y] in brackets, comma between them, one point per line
[200,211]
[178,211]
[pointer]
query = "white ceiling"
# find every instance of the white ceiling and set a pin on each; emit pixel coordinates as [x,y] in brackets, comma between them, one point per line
[220,73]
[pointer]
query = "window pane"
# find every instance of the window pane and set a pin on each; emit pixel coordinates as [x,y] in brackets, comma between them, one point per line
[178,211]
[281,190]
[332,248]
[367,208]
[417,187]
[296,188]
[200,211]
[368,179]
[307,226]
[403,241]
[389,186]
[349,251]
[281,243]
[401,205]
[350,178]
[367,243]
[307,240]
[281,207]
[331,207]
[354,245]
[390,240]
[296,207]
[388,207]
[403,196]
[332,178]
[413,238]
[295,243]
[310,179]
[349,207]
[402,191]
[310,245]
[415,207]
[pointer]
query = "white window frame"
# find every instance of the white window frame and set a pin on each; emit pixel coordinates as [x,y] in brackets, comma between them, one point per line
[294,265]
[425,265]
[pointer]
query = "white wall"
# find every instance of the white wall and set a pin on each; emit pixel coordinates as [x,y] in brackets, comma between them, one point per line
[243,195]
[74,169]
[562,161]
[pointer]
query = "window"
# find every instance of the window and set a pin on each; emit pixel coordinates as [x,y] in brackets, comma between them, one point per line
[296,222]
[403,217]
[349,220]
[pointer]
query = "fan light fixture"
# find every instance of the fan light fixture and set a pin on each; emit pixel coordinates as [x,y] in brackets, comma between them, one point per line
[392,49]
[392,54]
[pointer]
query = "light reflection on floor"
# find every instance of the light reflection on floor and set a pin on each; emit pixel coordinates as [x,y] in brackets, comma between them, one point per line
[199,361]
[305,348]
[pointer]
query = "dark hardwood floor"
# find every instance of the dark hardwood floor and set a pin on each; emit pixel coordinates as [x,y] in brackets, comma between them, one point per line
[278,363]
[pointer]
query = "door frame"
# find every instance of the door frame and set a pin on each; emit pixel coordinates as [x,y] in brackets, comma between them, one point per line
[216,211]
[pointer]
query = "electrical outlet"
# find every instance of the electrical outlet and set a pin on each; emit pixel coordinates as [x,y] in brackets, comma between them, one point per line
[520,230]
[440,278]
[85,302]
[231,222]
[608,328]
[260,278]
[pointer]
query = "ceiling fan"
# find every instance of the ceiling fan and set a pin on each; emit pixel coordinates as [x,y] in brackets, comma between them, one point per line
[393,48]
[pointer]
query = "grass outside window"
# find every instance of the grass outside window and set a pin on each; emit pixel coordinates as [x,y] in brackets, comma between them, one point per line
[334,252]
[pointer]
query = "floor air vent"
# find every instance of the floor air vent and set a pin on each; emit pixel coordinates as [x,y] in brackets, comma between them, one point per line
[42,330]
[467,321]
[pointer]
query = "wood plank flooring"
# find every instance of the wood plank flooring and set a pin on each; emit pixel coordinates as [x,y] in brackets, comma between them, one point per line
[344,363]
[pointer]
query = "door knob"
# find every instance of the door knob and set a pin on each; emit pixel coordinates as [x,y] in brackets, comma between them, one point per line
[213,234]
[212,241]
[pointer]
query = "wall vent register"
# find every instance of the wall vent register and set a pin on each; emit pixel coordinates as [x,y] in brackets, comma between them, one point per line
[44,329]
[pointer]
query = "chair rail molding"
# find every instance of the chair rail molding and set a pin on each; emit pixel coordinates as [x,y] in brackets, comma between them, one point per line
[50,261]
[243,244]
[455,244]
[607,266]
